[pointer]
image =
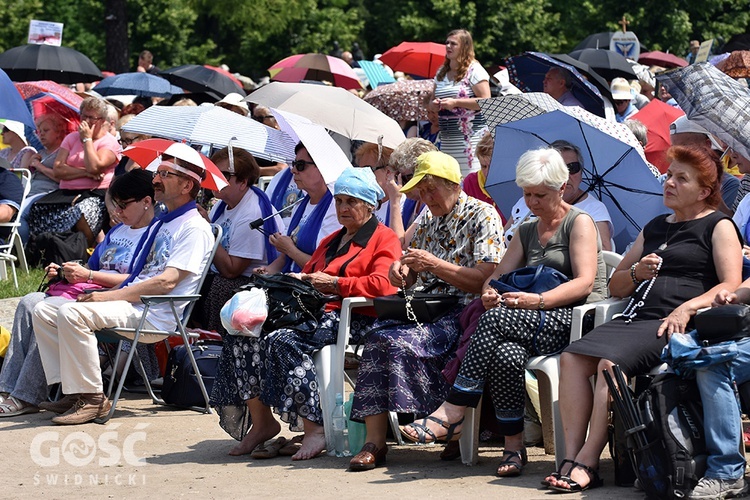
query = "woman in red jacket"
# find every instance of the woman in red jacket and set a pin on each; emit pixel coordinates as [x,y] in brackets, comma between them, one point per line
[277,371]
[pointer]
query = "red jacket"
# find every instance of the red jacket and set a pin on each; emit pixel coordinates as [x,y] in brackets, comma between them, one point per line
[362,265]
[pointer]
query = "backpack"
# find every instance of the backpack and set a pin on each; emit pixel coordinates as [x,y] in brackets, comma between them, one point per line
[57,247]
[180,382]
[673,457]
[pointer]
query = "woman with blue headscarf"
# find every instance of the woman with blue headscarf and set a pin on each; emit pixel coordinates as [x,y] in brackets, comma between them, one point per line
[276,370]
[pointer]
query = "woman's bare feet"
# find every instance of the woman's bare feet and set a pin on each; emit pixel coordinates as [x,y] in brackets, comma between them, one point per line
[312,445]
[258,434]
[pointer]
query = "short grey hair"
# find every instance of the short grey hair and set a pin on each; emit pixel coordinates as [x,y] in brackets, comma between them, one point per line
[640,131]
[566,76]
[541,167]
[95,105]
[404,157]
[562,145]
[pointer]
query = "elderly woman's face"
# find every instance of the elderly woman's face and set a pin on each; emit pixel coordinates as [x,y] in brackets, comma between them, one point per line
[438,197]
[743,164]
[370,160]
[574,179]
[681,187]
[351,212]
[542,200]
[306,174]
[49,135]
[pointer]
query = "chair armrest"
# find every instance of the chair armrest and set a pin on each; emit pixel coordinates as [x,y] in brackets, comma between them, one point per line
[161,299]
[347,305]
[606,309]
[579,312]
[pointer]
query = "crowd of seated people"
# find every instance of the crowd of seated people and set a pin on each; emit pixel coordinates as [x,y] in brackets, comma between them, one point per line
[401,218]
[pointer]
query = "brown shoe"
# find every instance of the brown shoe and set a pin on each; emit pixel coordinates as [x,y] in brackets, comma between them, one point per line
[89,407]
[368,458]
[61,405]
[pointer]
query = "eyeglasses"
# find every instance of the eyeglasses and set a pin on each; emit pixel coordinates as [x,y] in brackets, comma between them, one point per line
[128,141]
[91,118]
[573,167]
[260,118]
[301,165]
[620,102]
[166,173]
[371,167]
[228,175]
[406,177]
[122,205]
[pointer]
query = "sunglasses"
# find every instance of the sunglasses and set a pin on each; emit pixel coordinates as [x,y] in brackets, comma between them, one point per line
[573,167]
[261,118]
[228,175]
[301,165]
[122,205]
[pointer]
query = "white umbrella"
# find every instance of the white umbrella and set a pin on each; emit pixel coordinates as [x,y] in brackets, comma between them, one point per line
[324,151]
[213,126]
[332,107]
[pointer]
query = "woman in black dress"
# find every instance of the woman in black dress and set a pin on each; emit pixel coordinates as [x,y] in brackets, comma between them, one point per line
[676,266]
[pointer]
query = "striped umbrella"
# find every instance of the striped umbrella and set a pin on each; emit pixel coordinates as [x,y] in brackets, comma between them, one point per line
[213,126]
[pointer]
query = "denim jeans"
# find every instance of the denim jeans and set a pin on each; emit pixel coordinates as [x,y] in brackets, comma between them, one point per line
[721,413]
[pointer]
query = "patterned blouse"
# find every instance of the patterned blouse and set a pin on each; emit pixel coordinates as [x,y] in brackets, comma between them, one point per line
[469,234]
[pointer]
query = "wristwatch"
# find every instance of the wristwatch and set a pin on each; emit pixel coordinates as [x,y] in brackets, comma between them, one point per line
[84,141]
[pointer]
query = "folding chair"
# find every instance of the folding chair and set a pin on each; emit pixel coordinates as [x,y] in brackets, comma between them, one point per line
[14,239]
[133,335]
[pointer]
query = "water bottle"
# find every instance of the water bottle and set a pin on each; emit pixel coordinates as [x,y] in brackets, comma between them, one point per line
[340,431]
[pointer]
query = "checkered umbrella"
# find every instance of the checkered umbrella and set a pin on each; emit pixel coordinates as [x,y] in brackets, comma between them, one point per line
[714,100]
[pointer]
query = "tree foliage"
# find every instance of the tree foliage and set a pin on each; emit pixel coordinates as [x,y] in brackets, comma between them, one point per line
[250,36]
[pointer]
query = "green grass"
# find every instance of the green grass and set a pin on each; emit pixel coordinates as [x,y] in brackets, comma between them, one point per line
[27,283]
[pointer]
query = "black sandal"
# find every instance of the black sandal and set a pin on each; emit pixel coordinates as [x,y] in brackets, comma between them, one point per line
[558,473]
[423,431]
[594,480]
[516,468]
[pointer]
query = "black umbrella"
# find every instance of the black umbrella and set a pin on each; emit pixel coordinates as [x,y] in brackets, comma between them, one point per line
[48,62]
[600,41]
[737,42]
[607,63]
[197,78]
[586,70]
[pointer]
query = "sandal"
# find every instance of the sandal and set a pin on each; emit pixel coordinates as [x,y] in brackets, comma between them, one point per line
[269,449]
[10,407]
[558,473]
[423,431]
[594,480]
[292,446]
[515,467]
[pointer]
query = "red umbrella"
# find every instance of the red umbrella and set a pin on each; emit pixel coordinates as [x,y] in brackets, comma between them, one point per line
[659,58]
[415,58]
[145,152]
[320,67]
[44,97]
[657,116]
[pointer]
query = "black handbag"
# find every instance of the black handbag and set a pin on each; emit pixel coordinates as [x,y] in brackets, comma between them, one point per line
[428,307]
[292,303]
[720,324]
[532,279]
[181,386]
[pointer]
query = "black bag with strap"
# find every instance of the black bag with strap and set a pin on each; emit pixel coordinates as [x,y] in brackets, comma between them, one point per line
[181,386]
[427,307]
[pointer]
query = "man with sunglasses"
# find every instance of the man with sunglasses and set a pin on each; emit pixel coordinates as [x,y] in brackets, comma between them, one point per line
[172,259]
[573,195]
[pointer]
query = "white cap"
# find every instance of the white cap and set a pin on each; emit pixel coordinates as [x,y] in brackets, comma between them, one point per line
[235,99]
[684,126]
[16,127]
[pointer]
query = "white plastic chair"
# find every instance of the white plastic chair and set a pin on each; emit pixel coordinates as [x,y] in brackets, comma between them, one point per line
[14,239]
[547,371]
[133,335]
[329,365]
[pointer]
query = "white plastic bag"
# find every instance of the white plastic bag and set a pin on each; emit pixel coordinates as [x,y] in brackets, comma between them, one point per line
[245,313]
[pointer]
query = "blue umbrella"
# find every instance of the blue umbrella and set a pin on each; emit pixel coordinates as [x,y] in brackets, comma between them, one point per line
[141,84]
[527,73]
[613,171]
[12,106]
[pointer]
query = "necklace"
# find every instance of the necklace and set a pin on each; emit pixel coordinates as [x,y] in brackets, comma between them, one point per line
[664,245]
[632,308]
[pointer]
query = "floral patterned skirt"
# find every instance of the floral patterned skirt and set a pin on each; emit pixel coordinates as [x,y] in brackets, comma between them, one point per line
[400,368]
[279,369]
[58,218]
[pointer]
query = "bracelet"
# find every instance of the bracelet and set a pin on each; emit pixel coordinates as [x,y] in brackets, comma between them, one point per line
[336,285]
[91,277]
[84,141]
[632,274]
[541,302]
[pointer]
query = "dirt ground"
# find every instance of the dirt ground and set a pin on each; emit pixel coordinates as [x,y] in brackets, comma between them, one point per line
[168,453]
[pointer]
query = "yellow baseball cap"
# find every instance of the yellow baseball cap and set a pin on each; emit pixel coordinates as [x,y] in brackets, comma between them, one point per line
[434,163]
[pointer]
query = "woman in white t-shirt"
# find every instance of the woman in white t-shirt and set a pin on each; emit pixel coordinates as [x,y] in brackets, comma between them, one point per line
[22,382]
[459,83]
